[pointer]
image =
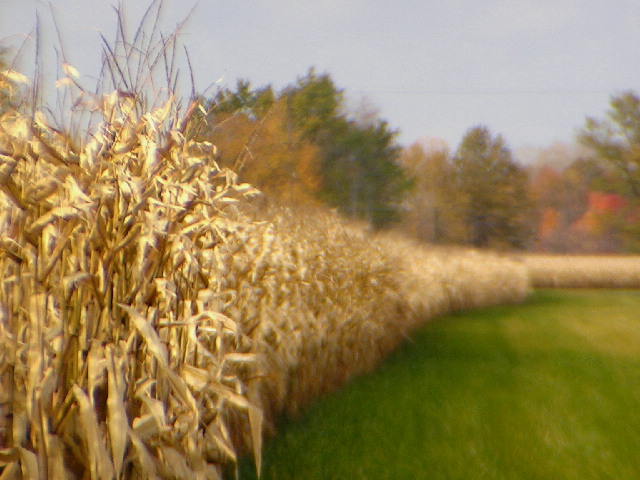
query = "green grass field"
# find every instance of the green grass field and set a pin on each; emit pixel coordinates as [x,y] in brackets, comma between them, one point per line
[546,390]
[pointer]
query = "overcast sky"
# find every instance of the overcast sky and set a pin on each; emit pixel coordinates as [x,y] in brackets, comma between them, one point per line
[531,70]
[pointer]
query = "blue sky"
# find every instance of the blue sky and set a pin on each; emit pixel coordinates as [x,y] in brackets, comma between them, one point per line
[531,70]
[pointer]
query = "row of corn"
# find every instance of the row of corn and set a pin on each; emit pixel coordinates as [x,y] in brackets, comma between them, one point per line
[153,326]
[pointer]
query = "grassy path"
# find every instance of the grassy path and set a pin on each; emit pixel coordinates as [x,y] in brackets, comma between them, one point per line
[545,390]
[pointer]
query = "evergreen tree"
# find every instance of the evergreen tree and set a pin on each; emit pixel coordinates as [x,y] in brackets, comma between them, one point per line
[359,169]
[493,191]
[361,173]
[315,105]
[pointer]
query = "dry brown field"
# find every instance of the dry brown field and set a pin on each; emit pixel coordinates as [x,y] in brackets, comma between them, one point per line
[583,271]
[155,321]
[151,326]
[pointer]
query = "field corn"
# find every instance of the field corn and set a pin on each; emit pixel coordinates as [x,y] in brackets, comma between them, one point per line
[152,325]
[583,271]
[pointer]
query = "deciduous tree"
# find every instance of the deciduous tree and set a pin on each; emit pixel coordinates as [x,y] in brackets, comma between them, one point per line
[430,209]
[255,136]
[616,139]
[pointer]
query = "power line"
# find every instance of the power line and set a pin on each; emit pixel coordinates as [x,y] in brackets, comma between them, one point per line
[484,92]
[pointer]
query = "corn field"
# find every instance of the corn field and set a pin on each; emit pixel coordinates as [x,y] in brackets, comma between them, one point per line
[583,271]
[153,325]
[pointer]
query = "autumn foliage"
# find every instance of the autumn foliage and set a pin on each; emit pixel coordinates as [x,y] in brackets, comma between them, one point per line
[301,146]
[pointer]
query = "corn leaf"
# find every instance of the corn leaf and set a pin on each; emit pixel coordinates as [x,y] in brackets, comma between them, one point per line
[150,336]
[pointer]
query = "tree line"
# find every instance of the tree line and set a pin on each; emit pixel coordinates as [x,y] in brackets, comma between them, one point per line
[585,201]
[303,144]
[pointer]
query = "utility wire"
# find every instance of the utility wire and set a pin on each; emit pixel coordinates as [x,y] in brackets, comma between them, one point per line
[482,92]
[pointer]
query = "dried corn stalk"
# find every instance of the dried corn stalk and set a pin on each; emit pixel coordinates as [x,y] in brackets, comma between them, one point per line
[104,252]
[149,329]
